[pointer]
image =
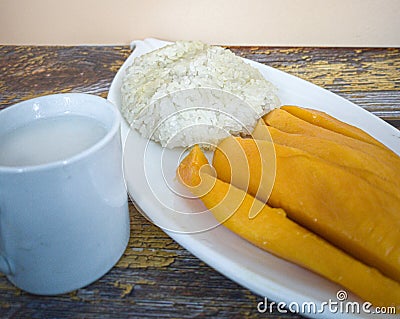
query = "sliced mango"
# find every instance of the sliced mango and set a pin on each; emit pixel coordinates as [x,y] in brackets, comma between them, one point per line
[284,121]
[325,198]
[272,231]
[359,163]
[328,122]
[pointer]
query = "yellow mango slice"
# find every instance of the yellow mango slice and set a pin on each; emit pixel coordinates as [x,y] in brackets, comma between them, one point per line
[284,121]
[359,163]
[328,122]
[272,231]
[325,198]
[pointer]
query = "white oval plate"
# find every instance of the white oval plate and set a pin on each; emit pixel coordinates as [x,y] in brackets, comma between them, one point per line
[148,184]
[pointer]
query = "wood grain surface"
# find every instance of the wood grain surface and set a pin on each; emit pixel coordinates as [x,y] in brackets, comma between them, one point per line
[157,278]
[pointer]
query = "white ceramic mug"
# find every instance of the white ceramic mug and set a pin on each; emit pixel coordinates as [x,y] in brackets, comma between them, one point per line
[63,224]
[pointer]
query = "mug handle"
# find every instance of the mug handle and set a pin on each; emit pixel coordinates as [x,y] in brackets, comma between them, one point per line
[5,267]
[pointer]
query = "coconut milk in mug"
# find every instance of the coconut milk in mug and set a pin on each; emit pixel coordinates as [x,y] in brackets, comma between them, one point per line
[64,218]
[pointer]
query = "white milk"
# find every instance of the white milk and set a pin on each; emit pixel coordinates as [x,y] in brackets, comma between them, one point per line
[47,140]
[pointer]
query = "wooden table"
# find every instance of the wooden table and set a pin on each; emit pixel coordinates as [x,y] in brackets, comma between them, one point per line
[157,278]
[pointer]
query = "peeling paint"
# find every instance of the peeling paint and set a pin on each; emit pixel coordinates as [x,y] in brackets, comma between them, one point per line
[126,288]
[146,258]
[371,76]
[5,285]
[74,295]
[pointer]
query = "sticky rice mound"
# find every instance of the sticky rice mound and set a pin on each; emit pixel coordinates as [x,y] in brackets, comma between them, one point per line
[190,92]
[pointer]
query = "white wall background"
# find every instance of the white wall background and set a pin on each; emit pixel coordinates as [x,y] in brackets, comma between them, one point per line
[235,22]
